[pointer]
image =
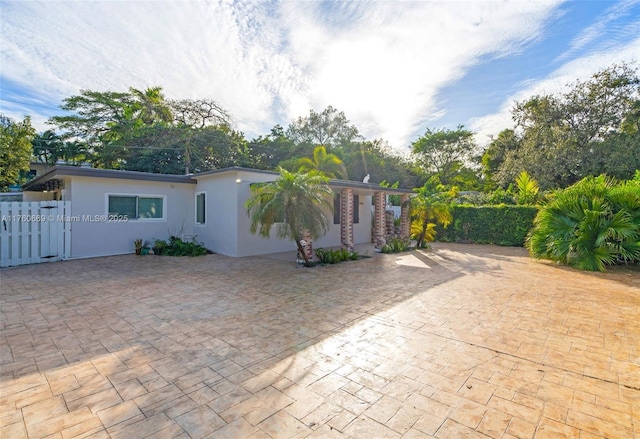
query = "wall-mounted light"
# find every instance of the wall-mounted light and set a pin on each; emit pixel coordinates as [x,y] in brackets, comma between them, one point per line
[238,180]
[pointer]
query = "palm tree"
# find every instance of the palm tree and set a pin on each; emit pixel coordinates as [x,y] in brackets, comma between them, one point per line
[428,209]
[589,225]
[295,202]
[151,106]
[328,164]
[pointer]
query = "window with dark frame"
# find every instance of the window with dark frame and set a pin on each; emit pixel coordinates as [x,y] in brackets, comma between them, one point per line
[201,200]
[136,207]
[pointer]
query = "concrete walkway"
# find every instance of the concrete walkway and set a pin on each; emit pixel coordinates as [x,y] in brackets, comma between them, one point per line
[458,341]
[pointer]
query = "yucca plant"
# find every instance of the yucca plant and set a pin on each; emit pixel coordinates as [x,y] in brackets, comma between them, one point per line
[589,225]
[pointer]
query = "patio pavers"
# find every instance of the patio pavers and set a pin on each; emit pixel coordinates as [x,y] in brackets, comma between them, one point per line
[458,341]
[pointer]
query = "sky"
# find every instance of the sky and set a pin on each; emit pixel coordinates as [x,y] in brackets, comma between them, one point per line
[395,68]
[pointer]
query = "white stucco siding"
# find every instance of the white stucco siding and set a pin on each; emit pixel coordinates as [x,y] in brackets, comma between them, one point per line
[94,235]
[219,233]
[362,230]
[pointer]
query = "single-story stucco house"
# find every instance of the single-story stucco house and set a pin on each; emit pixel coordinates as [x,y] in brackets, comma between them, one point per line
[109,209]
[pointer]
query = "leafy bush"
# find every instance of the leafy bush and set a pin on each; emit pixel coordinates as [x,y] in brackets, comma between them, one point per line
[159,246]
[501,225]
[331,256]
[395,245]
[177,247]
[590,225]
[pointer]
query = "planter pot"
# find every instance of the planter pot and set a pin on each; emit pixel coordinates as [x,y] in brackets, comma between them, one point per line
[138,251]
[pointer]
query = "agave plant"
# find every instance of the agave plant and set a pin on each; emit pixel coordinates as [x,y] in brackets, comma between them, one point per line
[589,225]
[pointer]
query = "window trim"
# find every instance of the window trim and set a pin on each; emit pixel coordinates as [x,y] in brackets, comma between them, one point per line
[204,212]
[137,195]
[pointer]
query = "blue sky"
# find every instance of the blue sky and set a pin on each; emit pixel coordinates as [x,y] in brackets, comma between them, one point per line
[394,67]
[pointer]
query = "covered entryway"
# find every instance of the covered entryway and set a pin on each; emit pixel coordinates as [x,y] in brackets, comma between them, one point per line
[34,232]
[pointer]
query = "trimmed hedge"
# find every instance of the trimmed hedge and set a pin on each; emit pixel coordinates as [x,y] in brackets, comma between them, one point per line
[501,225]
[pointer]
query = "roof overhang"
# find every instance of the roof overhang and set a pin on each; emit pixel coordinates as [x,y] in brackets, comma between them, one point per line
[47,180]
[54,179]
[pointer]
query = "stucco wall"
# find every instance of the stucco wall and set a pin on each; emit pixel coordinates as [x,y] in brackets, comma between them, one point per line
[92,236]
[219,233]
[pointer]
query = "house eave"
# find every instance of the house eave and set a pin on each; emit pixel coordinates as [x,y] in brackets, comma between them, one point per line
[39,183]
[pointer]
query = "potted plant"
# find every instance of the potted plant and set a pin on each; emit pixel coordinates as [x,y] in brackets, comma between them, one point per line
[138,245]
[158,246]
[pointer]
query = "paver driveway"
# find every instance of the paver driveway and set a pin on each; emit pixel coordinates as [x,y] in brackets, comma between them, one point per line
[458,341]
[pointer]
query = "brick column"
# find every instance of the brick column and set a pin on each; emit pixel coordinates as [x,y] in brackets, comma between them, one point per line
[346,218]
[405,221]
[379,204]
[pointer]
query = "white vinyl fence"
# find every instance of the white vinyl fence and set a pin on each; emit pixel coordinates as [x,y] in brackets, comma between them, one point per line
[33,232]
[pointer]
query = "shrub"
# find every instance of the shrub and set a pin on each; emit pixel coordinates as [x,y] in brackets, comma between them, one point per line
[590,225]
[177,247]
[330,256]
[501,225]
[395,245]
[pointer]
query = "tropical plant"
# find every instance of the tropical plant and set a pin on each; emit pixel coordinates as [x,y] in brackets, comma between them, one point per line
[331,256]
[322,162]
[589,225]
[178,247]
[430,207]
[395,245]
[527,189]
[294,203]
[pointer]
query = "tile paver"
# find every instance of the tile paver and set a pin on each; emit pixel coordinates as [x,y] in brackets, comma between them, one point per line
[458,341]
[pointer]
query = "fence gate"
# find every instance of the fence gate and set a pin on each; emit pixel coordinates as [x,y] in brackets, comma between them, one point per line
[33,232]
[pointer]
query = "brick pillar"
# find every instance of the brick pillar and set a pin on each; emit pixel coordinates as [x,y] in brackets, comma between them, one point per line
[379,204]
[405,226]
[346,218]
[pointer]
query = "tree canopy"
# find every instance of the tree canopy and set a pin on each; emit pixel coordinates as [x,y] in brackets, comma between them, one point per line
[15,149]
[329,128]
[591,128]
[445,152]
[561,138]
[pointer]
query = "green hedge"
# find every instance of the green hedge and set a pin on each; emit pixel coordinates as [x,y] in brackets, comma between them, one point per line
[501,225]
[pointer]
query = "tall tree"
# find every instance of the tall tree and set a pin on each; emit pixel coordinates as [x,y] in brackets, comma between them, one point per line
[266,152]
[329,128]
[294,203]
[444,152]
[48,147]
[495,154]
[142,130]
[151,107]
[15,149]
[584,131]
[380,162]
[199,113]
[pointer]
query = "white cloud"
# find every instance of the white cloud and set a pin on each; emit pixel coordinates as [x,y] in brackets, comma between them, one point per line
[382,63]
[578,69]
